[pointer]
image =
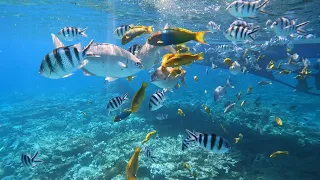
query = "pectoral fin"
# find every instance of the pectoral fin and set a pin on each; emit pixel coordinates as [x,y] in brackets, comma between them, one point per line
[122,64]
[110,79]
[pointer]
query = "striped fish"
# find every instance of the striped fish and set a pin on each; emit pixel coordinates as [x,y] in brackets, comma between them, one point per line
[241,9]
[240,33]
[134,49]
[148,154]
[63,61]
[210,142]
[71,33]
[224,48]
[28,161]
[116,102]
[284,27]
[121,30]
[157,99]
[242,23]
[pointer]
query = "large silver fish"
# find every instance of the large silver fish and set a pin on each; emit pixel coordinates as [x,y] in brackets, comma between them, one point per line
[63,61]
[108,60]
[160,77]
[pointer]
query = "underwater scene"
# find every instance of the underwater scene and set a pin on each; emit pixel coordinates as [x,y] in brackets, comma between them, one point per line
[160,90]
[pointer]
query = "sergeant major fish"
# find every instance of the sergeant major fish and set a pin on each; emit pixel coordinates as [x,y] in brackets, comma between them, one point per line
[240,33]
[121,30]
[157,99]
[210,142]
[241,9]
[284,27]
[71,33]
[63,61]
[28,161]
[116,102]
[134,49]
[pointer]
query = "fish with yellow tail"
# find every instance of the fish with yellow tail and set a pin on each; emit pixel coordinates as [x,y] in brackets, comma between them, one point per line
[177,60]
[206,109]
[180,112]
[174,36]
[277,153]
[130,78]
[148,136]
[237,139]
[135,32]
[138,98]
[195,78]
[133,165]
[278,121]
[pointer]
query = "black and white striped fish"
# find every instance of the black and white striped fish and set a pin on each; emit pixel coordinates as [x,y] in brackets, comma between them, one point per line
[121,30]
[240,33]
[28,161]
[241,9]
[116,102]
[63,61]
[224,48]
[134,49]
[284,27]
[148,154]
[157,99]
[71,33]
[242,23]
[210,142]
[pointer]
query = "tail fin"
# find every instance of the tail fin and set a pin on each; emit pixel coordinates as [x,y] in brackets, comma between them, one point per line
[82,32]
[183,79]
[144,84]
[185,144]
[253,31]
[149,29]
[124,97]
[228,84]
[34,156]
[199,36]
[200,56]
[299,27]
[262,5]
[85,49]
[192,136]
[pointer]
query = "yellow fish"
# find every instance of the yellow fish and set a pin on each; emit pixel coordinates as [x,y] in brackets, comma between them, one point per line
[228,61]
[277,153]
[177,60]
[83,113]
[245,53]
[135,32]
[238,138]
[242,103]
[206,109]
[249,90]
[130,78]
[138,98]
[148,136]
[175,72]
[180,112]
[278,120]
[133,165]
[195,78]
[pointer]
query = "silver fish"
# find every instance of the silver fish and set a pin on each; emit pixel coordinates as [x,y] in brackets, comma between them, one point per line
[220,91]
[229,108]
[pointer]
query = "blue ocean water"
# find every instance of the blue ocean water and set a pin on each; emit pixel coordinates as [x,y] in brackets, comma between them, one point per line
[66,120]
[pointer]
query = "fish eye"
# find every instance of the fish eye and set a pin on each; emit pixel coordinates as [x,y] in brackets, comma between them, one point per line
[138,63]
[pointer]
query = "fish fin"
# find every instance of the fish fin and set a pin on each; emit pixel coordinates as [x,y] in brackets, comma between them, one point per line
[110,79]
[299,27]
[78,46]
[228,84]
[262,5]
[56,41]
[166,26]
[85,49]
[82,32]
[153,158]
[149,29]
[125,96]
[199,37]
[165,58]
[84,62]
[144,84]
[185,144]
[183,79]
[192,136]
[65,76]
[34,156]
[93,55]
[170,49]
[200,56]
[122,64]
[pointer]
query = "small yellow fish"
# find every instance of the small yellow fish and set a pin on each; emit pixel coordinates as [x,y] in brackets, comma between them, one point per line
[228,61]
[83,113]
[177,60]
[205,91]
[238,138]
[260,57]
[278,120]
[148,136]
[138,97]
[195,78]
[277,153]
[180,112]
[177,86]
[271,65]
[130,78]
[249,90]
[239,95]
[135,32]
[206,109]
[245,52]
[242,103]
[284,72]
[133,165]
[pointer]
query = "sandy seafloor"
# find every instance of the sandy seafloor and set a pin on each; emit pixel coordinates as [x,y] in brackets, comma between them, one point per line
[74,146]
